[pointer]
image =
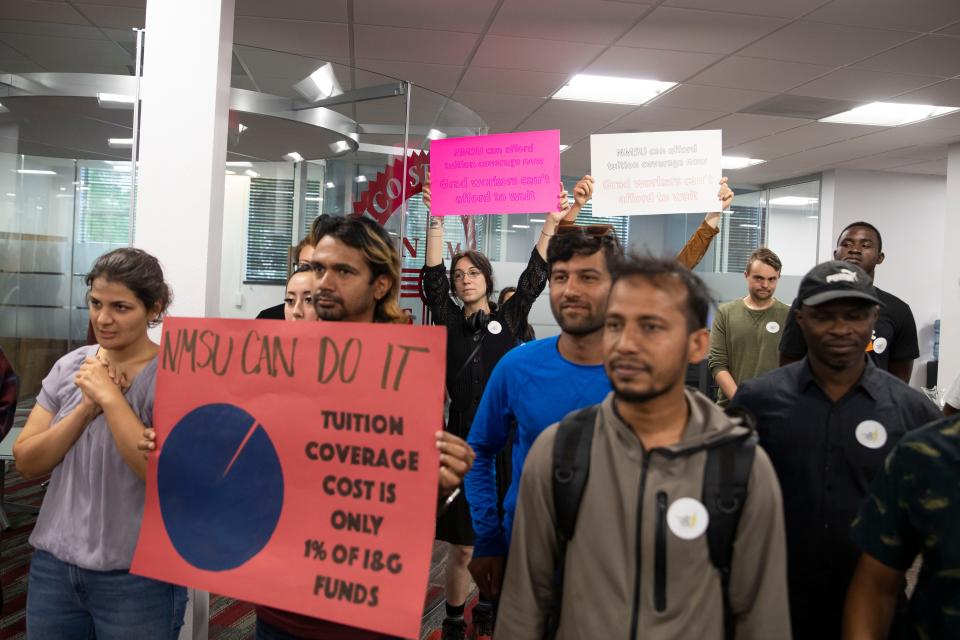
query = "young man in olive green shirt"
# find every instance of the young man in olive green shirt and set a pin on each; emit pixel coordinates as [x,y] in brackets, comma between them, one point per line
[745,337]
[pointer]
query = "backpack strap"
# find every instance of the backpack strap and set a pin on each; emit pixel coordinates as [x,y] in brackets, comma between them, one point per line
[725,480]
[571,467]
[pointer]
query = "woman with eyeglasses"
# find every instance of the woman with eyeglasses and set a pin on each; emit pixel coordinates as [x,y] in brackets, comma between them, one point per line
[479,333]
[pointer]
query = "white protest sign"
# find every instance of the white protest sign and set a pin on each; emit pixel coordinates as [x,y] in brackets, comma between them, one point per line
[657,172]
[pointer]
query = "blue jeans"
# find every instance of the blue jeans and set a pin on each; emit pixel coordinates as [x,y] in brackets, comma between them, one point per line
[65,602]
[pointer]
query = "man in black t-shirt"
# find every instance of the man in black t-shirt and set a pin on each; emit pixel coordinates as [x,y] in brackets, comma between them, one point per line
[893,345]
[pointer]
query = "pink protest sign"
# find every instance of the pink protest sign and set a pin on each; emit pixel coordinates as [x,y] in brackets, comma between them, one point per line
[501,173]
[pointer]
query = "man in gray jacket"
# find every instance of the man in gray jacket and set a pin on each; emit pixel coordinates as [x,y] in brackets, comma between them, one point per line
[639,564]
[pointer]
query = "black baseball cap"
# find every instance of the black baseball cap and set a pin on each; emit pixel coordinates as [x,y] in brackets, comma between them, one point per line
[836,280]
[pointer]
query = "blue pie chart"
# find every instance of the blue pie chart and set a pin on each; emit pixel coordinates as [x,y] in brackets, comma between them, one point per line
[221,487]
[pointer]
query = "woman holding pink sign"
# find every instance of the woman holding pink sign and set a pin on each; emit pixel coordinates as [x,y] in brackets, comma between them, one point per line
[479,333]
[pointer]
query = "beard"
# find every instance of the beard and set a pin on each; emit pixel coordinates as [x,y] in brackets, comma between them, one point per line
[331,312]
[582,325]
[639,397]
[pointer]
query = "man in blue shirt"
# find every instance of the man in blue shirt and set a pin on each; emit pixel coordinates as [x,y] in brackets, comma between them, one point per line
[537,384]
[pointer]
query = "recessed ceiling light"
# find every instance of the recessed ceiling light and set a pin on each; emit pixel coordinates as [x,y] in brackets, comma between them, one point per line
[361,178]
[737,162]
[251,173]
[293,156]
[589,88]
[793,201]
[115,100]
[889,114]
[37,172]
[564,147]
[813,217]
[12,195]
[434,134]
[231,173]
[239,164]
[520,226]
[120,142]
[330,185]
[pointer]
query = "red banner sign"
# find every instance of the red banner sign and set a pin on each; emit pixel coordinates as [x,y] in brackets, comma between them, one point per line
[296,466]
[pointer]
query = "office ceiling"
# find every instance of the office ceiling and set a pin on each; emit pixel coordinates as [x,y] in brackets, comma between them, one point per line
[503,58]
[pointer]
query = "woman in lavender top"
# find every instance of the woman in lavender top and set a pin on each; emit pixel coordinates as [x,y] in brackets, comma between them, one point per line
[84,430]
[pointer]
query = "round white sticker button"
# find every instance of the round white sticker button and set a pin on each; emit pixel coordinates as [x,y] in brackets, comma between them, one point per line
[773,327]
[494,327]
[687,518]
[871,434]
[880,345]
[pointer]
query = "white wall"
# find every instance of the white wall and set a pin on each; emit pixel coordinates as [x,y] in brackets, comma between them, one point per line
[238,300]
[909,210]
[950,294]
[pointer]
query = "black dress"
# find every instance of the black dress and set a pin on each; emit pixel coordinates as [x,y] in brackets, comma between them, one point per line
[467,380]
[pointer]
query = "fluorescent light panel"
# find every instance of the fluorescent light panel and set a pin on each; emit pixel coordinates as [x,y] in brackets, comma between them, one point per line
[588,88]
[435,134]
[520,226]
[793,201]
[294,156]
[564,147]
[889,114]
[738,162]
[239,164]
[361,178]
[36,172]
[251,173]
[120,142]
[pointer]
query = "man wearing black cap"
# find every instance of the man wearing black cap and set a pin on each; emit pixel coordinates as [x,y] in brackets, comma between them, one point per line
[827,423]
[893,344]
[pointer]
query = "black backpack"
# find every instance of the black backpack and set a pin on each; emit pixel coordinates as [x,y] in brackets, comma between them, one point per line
[725,481]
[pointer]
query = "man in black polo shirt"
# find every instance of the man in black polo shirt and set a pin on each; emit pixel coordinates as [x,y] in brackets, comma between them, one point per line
[827,423]
[893,344]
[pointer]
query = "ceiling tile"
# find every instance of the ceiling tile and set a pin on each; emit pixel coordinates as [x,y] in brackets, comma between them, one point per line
[741,127]
[114,17]
[809,136]
[946,124]
[693,30]
[930,55]
[917,15]
[413,45]
[877,163]
[573,119]
[526,83]
[502,122]
[575,161]
[436,77]
[861,84]
[322,39]
[835,44]
[692,96]
[775,8]
[468,16]
[758,74]
[535,55]
[70,54]
[497,103]
[591,21]
[35,10]
[653,64]
[135,4]
[952,30]
[21,66]
[309,10]
[942,94]
[656,118]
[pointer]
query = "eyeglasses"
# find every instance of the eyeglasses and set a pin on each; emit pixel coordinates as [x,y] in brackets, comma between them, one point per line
[300,267]
[473,274]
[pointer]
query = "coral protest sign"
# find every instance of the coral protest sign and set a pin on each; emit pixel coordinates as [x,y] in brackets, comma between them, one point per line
[501,173]
[658,172]
[296,466]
